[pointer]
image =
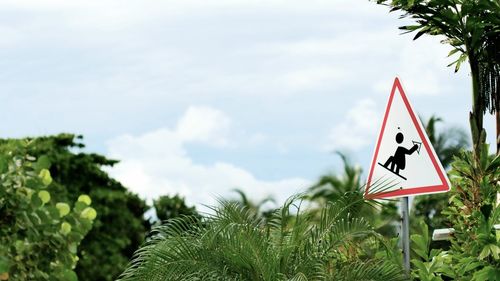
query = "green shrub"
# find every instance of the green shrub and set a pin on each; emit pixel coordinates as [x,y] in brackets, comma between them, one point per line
[119,227]
[39,235]
[473,211]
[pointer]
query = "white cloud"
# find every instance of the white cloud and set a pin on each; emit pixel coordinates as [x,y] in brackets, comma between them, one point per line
[157,163]
[205,125]
[312,78]
[358,128]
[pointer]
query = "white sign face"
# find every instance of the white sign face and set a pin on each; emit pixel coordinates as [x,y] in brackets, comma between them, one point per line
[404,162]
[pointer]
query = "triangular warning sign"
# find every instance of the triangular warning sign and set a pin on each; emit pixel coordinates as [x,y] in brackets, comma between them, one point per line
[404,162]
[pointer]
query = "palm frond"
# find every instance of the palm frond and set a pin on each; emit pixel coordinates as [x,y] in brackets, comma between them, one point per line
[232,244]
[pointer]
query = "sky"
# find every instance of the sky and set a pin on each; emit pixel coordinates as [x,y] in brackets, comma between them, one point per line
[200,97]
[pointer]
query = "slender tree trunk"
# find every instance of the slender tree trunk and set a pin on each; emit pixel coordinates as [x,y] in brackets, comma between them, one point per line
[476,115]
[498,130]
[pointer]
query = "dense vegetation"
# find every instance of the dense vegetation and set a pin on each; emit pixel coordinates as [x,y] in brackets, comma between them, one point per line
[39,234]
[472,211]
[119,227]
[234,244]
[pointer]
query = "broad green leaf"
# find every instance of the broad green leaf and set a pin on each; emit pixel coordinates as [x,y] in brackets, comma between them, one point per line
[487,273]
[43,162]
[45,176]
[44,196]
[63,209]
[420,246]
[70,275]
[79,207]
[85,199]
[495,251]
[471,266]
[485,252]
[72,248]
[89,213]
[65,228]
[4,264]
[36,202]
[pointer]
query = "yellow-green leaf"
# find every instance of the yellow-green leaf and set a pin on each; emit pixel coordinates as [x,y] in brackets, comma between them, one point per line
[85,199]
[44,196]
[45,176]
[65,228]
[63,209]
[89,213]
[485,252]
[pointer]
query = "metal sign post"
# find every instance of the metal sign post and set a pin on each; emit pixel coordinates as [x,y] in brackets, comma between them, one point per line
[405,234]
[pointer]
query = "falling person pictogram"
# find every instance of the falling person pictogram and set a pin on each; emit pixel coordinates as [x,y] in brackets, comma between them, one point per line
[397,162]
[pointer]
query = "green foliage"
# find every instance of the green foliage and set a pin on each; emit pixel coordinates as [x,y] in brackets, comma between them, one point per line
[253,207]
[429,265]
[119,227]
[473,212]
[447,143]
[234,244]
[471,27]
[331,187]
[39,236]
[168,207]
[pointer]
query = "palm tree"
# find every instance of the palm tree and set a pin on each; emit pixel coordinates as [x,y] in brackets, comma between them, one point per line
[331,187]
[251,206]
[447,143]
[233,244]
[472,28]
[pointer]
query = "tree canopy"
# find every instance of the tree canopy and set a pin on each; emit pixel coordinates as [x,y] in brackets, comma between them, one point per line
[472,29]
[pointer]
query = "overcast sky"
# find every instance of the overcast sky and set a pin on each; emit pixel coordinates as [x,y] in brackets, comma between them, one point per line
[199,97]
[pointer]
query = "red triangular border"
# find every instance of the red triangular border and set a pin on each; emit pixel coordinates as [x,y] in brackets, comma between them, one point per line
[443,187]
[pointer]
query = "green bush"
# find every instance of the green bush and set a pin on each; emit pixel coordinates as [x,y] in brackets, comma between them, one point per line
[119,227]
[473,211]
[39,235]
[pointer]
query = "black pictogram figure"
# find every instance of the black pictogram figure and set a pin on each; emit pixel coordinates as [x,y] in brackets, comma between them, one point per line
[398,160]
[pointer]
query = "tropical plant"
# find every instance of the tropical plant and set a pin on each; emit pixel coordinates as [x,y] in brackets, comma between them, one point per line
[254,207]
[119,227]
[429,264]
[39,235]
[473,211]
[331,187]
[234,244]
[472,29]
[447,143]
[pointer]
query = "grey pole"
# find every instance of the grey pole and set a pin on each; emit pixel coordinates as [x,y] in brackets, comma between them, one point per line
[405,234]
